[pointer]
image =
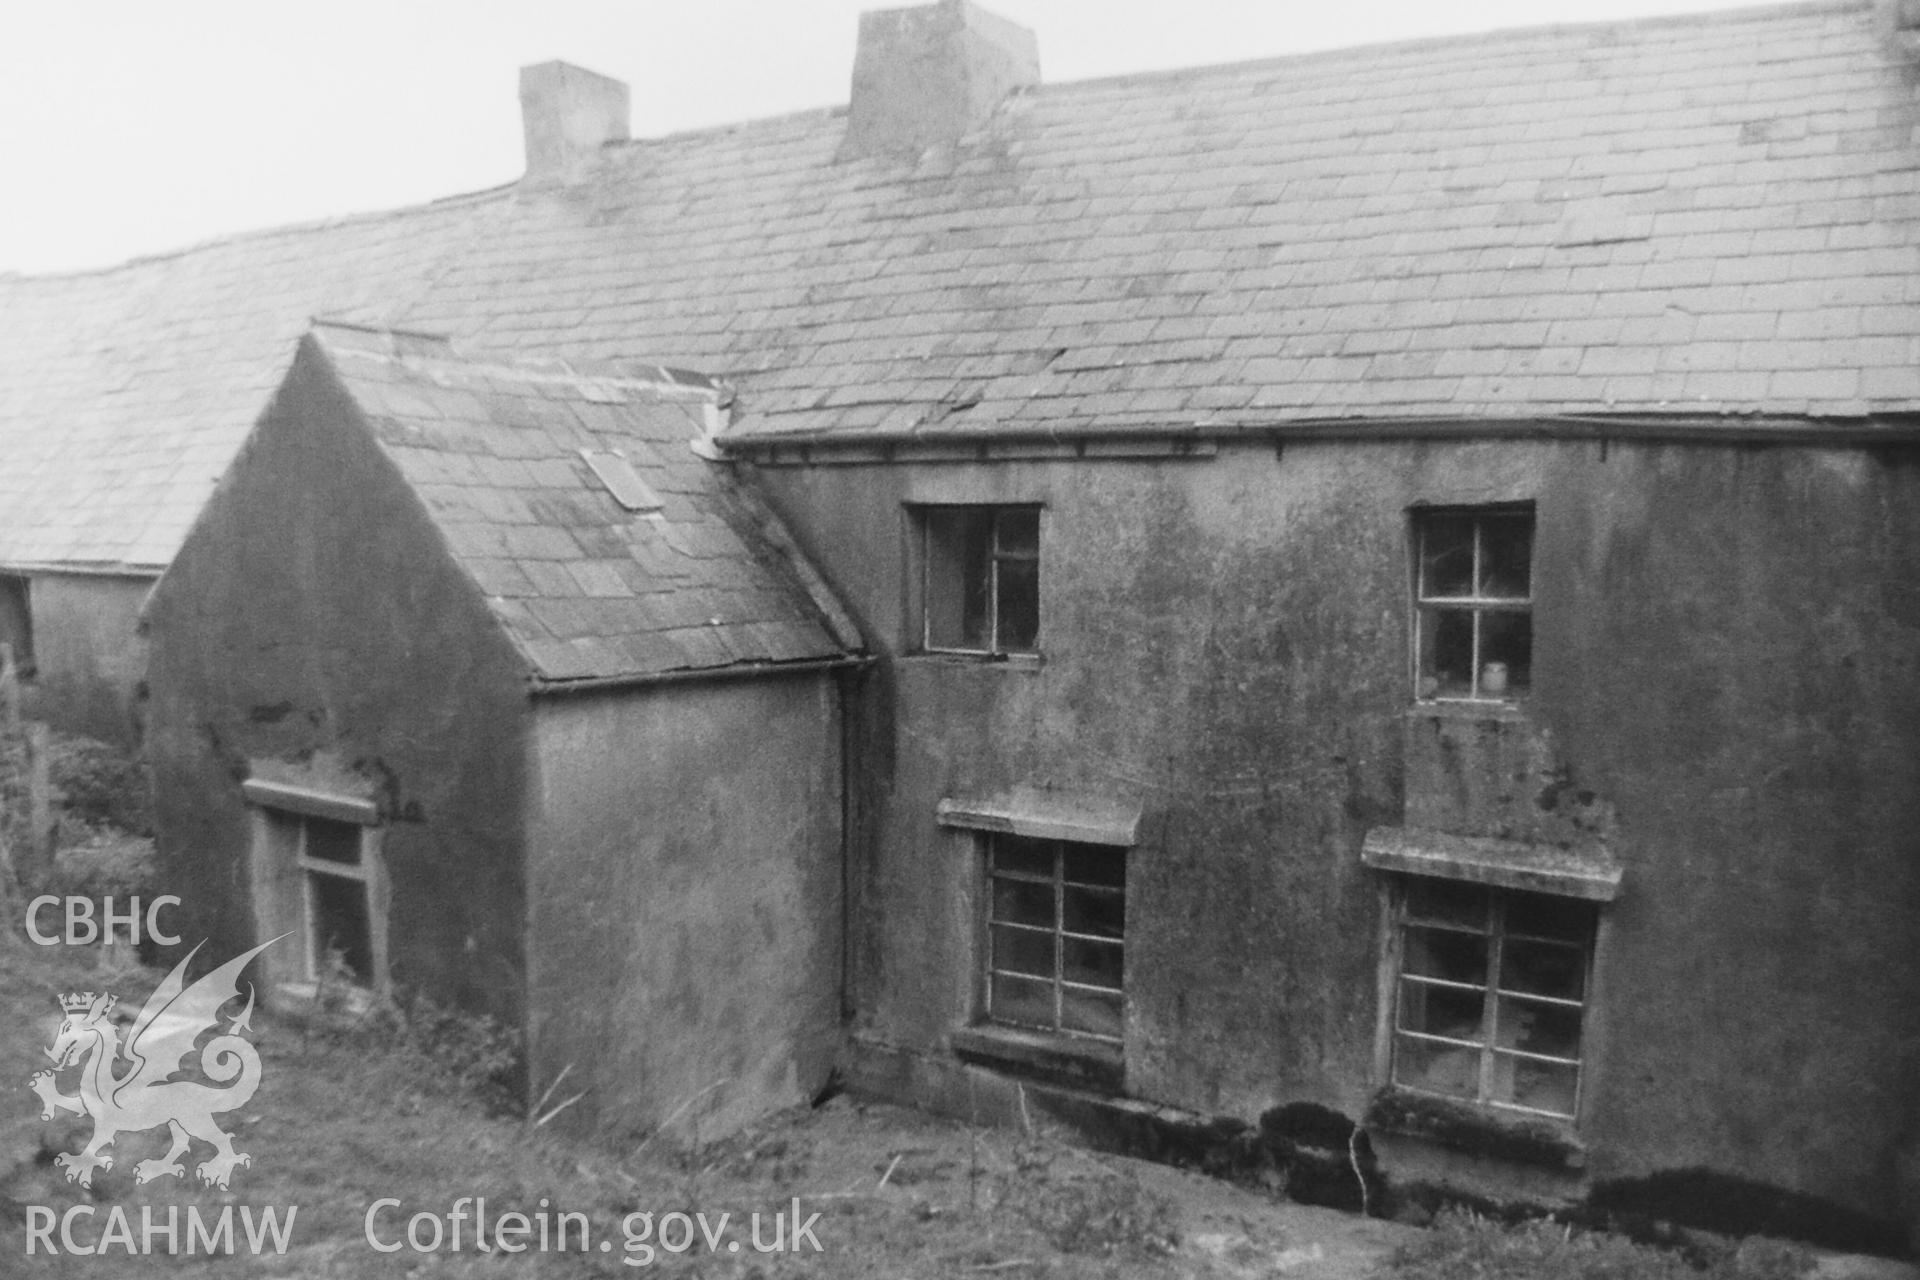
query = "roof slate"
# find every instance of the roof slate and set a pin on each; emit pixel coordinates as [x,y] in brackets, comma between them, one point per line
[584,588]
[125,393]
[1706,215]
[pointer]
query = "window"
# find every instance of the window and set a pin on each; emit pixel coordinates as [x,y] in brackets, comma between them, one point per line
[337,917]
[1474,602]
[1491,995]
[980,579]
[1056,926]
[16,622]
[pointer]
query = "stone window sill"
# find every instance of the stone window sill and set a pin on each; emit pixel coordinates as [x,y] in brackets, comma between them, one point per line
[1481,711]
[1477,1131]
[1068,1060]
[960,658]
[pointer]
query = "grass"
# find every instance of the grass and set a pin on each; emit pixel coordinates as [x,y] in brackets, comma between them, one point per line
[345,1118]
[1465,1246]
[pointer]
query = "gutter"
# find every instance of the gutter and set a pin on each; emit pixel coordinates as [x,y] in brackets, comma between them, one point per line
[83,570]
[738,671]
[1902,429]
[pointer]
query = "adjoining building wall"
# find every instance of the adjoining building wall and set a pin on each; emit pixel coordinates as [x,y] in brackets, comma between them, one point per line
[685,897]
[314,632]
[88,655]
[1726,671]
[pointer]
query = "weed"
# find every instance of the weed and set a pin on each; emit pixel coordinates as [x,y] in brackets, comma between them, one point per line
[474,1053]
[1104,1213]
[99,784]
[1466,1246]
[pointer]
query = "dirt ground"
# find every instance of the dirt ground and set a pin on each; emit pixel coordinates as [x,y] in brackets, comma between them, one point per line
[345,1120]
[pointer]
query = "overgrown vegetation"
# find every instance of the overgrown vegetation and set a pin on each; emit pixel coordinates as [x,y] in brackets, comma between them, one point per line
[101,804]
[475,1054]
[1466,1246]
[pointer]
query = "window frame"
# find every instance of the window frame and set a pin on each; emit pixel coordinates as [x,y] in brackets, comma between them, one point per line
[1427,607]
[1059,984]
[926,590]
[354,872]
[1394,978]
[285,895]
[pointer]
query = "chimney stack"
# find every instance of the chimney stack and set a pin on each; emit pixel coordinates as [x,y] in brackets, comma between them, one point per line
[927,75]
[569,114]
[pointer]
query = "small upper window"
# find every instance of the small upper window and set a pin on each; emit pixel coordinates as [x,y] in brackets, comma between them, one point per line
[980,579]
[1473,627]
[1491,996]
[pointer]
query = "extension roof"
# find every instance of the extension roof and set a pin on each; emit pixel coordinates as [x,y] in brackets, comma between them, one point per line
[1707,215]
[1713,217]
[586,588]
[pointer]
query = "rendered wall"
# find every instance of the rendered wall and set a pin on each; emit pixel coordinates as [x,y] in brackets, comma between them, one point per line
[88,655]
[685,895]
[1726,679]
[314,629]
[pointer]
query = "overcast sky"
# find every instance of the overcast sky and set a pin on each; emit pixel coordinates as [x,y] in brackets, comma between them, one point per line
[135,126]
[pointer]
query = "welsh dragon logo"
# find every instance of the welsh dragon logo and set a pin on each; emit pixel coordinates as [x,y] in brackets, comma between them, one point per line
[143,1096]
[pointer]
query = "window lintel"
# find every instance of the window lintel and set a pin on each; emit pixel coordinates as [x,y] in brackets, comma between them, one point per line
[311,803]
[1047,815]
[1588,872]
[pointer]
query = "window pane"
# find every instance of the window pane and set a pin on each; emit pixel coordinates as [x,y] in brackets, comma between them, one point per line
[1543,1086]
[1024,855]
[1440,1011]
[1019,583]
[1101,912]
[1543,915]
[1446,637]
[1506,557]
[1506,637]
[958,547]
[1446,555]
[1027,1001]
[1442,953]
[1543,969]
[1023,950]
[1437,1068]
[340,924]
[1019,533]
[1092,1012]
[1023,902]
[1447,902]
[1092,864]
[1551,1029]
[333,841]
[1098,964]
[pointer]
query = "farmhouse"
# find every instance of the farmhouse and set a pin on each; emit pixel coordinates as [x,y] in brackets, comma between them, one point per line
[1356,608]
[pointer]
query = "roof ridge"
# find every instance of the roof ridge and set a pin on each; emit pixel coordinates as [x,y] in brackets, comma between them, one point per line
[1515,35]
[1173,75]
[574,371]
[501,192]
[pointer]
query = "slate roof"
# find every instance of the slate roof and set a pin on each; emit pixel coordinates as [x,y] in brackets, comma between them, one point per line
[125,393]
[585,588]
[1714,214]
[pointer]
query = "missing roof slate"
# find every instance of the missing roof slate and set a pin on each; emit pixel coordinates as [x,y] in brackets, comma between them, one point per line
[621,480]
